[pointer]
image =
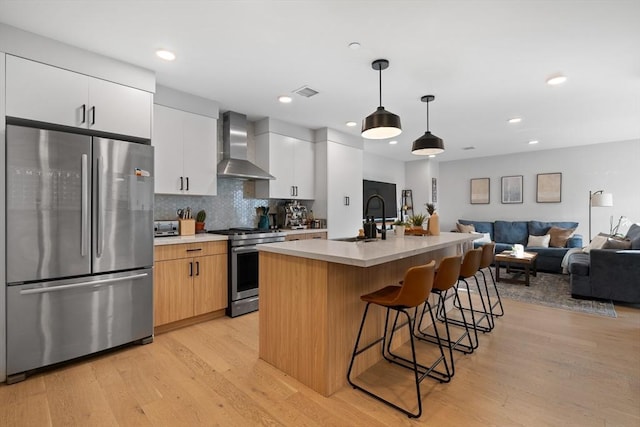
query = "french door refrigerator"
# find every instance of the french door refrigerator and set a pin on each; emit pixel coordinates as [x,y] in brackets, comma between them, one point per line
[79,245]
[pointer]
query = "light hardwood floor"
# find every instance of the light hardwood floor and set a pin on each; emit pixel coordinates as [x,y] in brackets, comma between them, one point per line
[539,367]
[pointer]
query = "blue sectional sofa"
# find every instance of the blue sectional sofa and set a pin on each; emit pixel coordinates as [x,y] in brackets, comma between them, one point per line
[508,233]
[608,273]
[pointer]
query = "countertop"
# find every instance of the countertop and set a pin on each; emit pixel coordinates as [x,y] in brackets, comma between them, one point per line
[206,237]
[366,254]
[196,238]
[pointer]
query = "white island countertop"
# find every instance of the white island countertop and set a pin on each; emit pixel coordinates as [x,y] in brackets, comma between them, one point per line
[366,253]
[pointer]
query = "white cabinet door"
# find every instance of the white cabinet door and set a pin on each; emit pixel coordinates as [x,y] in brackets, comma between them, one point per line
[40,92]
[167,140]
[119,109]
[200,154]
[304,170]
[344,190]
[185,152]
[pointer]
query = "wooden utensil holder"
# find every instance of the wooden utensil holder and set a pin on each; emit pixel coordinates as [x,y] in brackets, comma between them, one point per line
[187,227]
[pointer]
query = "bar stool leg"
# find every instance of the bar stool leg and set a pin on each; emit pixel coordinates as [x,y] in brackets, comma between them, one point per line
[495,287]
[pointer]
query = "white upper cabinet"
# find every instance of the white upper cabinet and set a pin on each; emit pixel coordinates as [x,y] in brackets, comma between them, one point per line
[37,91]
[185,152]
[291,161]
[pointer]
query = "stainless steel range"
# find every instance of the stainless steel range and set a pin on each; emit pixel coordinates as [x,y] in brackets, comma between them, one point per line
[243,266]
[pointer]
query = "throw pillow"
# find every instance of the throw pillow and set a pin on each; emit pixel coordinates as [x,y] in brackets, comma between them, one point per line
[465,228]
[486,237]
[597,243]
[539,241]
[614,243]
[559,236]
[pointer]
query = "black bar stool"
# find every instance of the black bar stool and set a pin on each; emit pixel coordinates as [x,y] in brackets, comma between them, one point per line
[470,266]
[446,278]
[488,253]
[415,291]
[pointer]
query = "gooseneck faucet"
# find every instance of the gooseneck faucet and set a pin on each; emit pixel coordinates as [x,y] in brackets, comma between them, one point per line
[366,213]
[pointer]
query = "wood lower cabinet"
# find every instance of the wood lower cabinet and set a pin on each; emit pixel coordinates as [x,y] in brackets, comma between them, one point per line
[306,236]
[190,280]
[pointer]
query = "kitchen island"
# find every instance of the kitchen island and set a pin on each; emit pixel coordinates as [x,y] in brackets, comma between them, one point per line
[310,307]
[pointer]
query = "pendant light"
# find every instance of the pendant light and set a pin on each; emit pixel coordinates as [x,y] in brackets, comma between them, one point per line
[381,123]
[428,143]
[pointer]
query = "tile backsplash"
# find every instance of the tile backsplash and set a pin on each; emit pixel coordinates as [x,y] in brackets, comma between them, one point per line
[234,206]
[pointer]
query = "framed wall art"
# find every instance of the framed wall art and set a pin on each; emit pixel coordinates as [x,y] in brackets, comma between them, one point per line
[512,189]
[480,194]
[549,188]
[434,190]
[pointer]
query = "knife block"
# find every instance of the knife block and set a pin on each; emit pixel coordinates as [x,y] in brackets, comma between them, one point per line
[187,227]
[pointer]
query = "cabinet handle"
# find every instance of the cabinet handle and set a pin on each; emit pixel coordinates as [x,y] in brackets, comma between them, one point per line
[296,190]
[84,113]
[181,183]
[187,183]
[317,237]
[292,192]
[194,250]
[190,269]
[93,115]
[197,268]
[346,200]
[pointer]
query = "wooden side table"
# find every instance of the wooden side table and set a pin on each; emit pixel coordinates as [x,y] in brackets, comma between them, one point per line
[527,262]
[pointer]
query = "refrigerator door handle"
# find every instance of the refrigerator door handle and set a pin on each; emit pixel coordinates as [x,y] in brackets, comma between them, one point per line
[85,206]
[100,209]
[95,283]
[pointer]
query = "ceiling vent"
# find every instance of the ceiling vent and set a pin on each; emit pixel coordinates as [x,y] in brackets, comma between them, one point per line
[471,147]
[306,91]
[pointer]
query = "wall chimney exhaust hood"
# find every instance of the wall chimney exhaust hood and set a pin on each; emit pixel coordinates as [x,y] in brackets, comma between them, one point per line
[234,162]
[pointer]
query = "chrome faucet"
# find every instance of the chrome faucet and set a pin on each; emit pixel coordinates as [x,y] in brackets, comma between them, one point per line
[366,213]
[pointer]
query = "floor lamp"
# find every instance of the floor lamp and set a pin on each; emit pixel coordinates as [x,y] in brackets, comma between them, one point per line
[598,199]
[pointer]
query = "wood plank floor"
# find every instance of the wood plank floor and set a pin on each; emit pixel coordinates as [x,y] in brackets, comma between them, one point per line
[539,367]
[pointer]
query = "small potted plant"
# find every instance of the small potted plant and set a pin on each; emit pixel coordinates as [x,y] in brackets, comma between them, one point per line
[398,227]
[200,217]
[417,220]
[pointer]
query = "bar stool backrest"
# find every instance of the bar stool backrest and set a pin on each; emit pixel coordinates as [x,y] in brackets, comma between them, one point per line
[471,263]
[488,250]
[448,273]
[417,285]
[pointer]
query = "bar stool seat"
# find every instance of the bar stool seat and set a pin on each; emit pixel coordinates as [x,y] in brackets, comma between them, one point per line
[414,291]
[488,255]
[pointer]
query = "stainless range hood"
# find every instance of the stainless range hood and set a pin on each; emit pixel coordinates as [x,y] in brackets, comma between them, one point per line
[234,162]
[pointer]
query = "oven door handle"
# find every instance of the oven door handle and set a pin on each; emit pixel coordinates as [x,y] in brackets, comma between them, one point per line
[244,249]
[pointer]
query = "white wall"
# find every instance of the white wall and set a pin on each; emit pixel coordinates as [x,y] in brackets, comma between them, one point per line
[383,169]
[3,269]
[612,167]
[418,179]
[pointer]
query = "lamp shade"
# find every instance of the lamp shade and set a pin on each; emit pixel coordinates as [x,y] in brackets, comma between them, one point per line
[381,124]
[602,199]
[427,145]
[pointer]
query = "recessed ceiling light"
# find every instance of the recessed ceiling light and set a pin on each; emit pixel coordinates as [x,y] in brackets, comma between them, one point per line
[515,120]
[167,55]
[351,124]
[432,155]
[556,80]
[285,99]
[354,45]
[533,141]
[393,142]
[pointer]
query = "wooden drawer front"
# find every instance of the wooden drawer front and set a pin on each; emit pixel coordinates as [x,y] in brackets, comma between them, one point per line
[319,235]
[189,250]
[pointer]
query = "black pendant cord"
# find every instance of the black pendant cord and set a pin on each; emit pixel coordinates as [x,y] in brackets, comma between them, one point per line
[427,116]
[380,86]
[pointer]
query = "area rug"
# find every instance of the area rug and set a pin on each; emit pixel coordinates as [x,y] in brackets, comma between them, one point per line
[552,290]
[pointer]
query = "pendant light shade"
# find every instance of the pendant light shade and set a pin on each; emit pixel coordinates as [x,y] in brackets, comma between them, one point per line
[381,124]
[428,143]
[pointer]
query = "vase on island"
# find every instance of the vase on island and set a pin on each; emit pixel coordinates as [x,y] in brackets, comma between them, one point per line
[433,227]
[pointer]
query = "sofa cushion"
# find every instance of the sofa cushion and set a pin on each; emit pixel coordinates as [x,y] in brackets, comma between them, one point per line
[617,243]
[579,264]
[511,232]
[540,228]
[480,226]
[597,242]
[539,241]
[559,236]
[465,228]
[633,234]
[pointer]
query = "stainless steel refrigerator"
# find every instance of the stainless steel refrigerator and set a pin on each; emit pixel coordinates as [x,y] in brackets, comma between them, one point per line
[79,246]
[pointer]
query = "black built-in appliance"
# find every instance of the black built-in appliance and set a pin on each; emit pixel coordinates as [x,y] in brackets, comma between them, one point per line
[243,266]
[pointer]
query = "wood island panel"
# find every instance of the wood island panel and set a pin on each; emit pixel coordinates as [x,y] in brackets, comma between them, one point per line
[310,312]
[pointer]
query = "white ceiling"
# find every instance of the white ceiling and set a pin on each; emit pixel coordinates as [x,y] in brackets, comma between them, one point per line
[485,61]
